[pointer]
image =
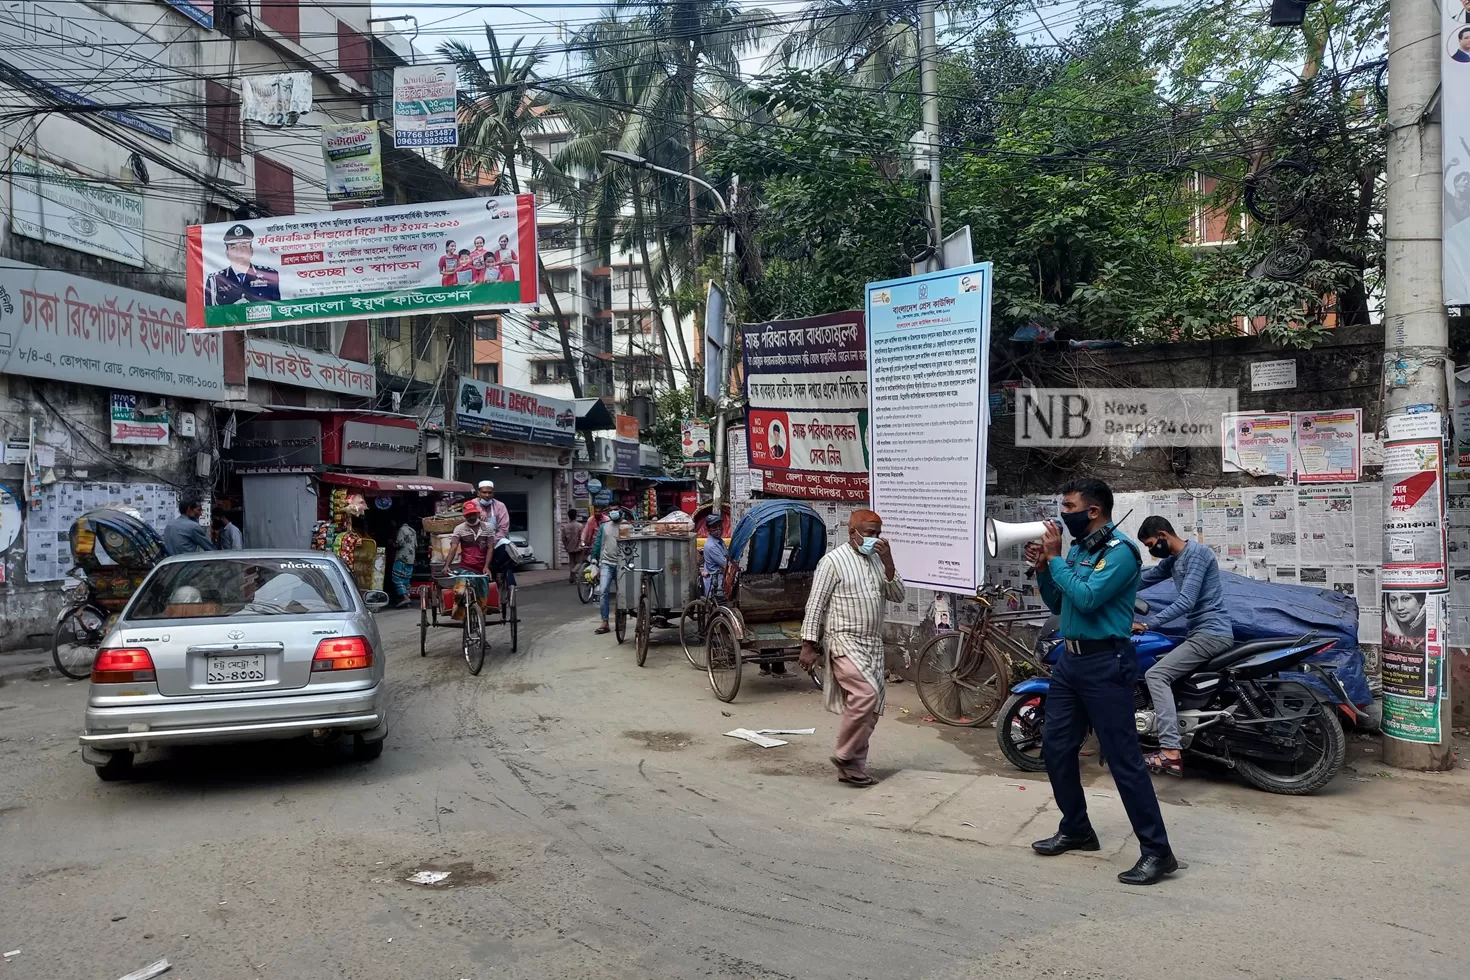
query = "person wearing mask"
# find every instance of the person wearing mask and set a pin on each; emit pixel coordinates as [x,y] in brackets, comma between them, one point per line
[844,613]
[227,534]
[184,535]
[608,550]
[492,510]
[1196,575]
[405,551]
[716,559]
[1093,590]
[470,547]
[571,541]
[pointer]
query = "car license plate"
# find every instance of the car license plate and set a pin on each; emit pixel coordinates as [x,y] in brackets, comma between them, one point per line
[235,669]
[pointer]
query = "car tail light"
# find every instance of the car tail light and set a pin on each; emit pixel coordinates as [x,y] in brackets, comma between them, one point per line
[343,653]
[123,665]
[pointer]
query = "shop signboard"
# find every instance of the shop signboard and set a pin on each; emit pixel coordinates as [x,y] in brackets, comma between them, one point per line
[371,445]
[61,206]
[68,328]
[505,413]
[300,367]
[628,427]
[806,382]
[478,253]
[521,454]
[625,458]
[277,444]
[425,104]
[199,11]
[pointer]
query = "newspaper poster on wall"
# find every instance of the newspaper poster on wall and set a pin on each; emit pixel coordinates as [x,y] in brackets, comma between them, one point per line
[1412,663]
[48,523]
[275,100]
[1222,527]
[928,365]
[1257,444]
[1414,545]
[1454,54]
[472,254]
[1270,529]
[425,111]
[353,157]
[1460,416]
[1328,446]
[806,382]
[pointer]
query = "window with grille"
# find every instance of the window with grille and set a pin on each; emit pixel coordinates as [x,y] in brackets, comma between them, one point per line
[487,328]
[560,279]
[549,372]
[488,373]
[312,336]
[556,236]
[388,328]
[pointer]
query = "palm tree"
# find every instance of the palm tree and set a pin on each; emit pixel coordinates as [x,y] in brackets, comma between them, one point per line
[501,105]
[873,41]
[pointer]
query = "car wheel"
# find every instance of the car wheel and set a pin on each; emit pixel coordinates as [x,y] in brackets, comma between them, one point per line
[365,751]
[118,766]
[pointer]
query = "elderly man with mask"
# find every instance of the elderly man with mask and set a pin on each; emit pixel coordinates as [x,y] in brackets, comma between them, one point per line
[607,551]
[845,614]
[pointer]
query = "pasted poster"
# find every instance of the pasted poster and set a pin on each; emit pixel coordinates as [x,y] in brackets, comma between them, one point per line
[353,158]
[1413,664]
[1328,446]
[1414,545]
[424,106]
[1454,55]
[694,443]
[1461,418]
[806,382]
[928,364]
[472,254]
[1258,444]
[1222,527]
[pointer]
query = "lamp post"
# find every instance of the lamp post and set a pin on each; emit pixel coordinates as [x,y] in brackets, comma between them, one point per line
[718,466]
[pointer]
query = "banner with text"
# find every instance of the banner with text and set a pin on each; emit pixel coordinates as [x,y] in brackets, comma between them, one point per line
[353,157]
[1414,535]
[473,254]
[929,366]
[505,413]
[425,106]
[806,382]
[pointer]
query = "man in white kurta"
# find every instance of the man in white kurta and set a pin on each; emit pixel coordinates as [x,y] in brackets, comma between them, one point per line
[845,614]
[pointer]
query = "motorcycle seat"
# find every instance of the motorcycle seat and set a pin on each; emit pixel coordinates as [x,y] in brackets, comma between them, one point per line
[1247,650]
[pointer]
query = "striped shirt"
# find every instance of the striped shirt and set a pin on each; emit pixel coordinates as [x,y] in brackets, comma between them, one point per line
[845,610]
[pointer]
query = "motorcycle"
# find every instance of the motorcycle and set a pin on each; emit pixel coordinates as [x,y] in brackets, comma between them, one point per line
[1278,733]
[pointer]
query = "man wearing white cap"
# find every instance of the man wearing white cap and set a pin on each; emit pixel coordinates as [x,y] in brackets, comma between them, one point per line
[493,511]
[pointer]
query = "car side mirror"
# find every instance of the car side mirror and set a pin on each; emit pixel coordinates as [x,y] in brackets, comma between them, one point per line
[1141,606]
[375,599]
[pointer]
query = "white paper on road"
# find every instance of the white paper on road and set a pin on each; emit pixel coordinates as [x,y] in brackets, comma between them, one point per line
[428,877]
[786,731]
[757,738]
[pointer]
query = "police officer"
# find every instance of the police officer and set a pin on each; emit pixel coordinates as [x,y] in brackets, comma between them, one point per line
[243,281]
[1093,589]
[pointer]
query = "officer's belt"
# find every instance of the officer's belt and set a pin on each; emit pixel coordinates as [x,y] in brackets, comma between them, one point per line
[1083,648]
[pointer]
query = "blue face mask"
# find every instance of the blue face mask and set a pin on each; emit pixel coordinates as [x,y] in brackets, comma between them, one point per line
[868,545]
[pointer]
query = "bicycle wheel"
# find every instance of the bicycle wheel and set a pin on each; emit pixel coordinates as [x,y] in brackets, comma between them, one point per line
[585,585]
[424,621]
[515,622]
[723,659]
[691,631]
[620,624]
[641,629]
[75,640]
[960,682]
[474,636]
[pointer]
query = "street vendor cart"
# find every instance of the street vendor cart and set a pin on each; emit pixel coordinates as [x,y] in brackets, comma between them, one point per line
[774,549]
[658,576]
[112,550]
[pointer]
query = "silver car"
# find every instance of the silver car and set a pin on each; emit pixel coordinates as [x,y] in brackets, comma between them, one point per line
[238,646]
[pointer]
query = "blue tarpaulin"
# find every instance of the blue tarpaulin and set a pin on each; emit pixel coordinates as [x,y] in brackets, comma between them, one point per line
[771,527]
[1259,610]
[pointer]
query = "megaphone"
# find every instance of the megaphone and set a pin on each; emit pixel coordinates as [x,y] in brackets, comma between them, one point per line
[1003,534]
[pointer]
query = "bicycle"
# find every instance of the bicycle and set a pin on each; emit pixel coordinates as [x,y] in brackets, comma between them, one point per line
[469,600]
[694,620]
[78,635]
[964,675]
[644,626]
[584,574]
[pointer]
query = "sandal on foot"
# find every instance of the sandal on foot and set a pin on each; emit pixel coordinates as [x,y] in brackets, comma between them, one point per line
[1161,764]
[601,631]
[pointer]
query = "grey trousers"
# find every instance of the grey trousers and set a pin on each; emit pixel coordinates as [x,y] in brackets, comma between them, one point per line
[1182,660]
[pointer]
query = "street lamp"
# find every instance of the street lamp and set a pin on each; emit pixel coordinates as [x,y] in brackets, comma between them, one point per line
[727,331]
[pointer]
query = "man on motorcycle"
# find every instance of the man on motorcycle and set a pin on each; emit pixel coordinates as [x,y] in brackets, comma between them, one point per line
[1093,589]
[1196,576]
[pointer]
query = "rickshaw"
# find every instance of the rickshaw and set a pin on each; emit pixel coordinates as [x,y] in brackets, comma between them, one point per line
[445,595]
[773,551]
[112,550]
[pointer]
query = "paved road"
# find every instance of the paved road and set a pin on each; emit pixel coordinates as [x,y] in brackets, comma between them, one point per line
[596,824]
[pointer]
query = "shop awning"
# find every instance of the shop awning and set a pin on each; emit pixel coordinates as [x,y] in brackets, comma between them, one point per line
[593,416]
[396,483]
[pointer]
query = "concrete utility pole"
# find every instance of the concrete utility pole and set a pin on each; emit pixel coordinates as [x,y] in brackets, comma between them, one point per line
[718,462]
[1416,327]
[929,101]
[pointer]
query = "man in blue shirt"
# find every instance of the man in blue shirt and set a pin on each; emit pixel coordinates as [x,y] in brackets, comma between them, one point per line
[184,535]
[1196,576]
[1093,590]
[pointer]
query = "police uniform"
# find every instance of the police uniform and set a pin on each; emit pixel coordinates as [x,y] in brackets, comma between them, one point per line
[256,284]
[1094,684]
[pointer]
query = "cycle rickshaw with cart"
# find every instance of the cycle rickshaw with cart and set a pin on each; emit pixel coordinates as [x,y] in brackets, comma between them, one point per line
[773,551]
[112,551]
[448,595]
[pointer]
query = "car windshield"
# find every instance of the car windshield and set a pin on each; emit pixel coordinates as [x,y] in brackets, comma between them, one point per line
[282,586]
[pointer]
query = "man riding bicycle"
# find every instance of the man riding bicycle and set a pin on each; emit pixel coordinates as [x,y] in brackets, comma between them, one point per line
[470,547]
[495,515]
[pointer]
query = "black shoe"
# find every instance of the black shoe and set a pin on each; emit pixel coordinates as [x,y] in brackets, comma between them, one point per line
[1150,870]
[1060,843]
